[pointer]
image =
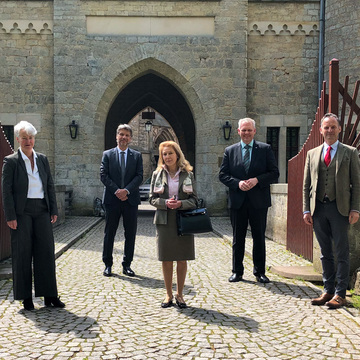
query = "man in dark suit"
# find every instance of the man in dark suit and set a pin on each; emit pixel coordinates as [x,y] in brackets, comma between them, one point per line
[331,201]
[121,172]
[29,203]
[248,168]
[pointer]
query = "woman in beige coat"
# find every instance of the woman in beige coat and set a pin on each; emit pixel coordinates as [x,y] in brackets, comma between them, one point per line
[172,188]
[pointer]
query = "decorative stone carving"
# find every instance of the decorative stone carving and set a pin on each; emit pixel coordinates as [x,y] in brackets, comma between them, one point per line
[15,29]
[26,26]
[277,28]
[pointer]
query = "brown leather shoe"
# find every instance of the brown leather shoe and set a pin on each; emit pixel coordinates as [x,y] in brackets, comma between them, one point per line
[336,302]
[325,297]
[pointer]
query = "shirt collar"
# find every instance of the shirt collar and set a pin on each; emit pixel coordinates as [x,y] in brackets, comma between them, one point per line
[166,169]
[125,151]
[334,146]
[251,144]
[24,157]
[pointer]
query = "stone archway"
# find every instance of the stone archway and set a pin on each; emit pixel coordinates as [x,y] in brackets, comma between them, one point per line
[152,90]
[114,79]
[163,135]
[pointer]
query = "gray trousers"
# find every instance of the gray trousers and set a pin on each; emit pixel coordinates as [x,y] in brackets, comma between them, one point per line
[331,230]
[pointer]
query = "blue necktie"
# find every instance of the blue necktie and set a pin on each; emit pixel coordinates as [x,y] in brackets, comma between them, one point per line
[247,158]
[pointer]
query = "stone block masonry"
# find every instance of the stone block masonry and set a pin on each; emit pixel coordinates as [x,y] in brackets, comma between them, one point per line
[259,61]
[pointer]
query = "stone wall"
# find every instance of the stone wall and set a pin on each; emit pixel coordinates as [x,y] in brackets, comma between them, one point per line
[26,68]
[61,204]
[90,71]
[55,70]
[282,68]
[277,221]
[342,34]
[259,60]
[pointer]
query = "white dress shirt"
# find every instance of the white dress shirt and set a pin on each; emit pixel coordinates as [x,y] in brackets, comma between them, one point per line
[35,189]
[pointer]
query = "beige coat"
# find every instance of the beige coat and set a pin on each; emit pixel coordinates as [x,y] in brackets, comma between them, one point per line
[347,179]
[189,200]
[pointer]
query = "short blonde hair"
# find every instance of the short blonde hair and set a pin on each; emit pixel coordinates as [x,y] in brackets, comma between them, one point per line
[181,162]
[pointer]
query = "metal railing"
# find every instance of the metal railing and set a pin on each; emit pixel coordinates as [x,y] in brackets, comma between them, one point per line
[5,245]
[299,235]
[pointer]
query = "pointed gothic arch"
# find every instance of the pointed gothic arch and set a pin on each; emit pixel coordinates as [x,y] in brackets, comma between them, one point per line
[151,89]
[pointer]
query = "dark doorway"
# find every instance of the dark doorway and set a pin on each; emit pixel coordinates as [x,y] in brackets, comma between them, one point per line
[156,92]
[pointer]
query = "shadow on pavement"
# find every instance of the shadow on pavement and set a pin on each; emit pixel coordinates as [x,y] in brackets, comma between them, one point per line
[218,318]
[146,282]
[293,290]
[60,321]
[140,280]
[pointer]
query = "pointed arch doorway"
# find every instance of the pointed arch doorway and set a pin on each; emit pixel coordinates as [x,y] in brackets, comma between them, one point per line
[151,90]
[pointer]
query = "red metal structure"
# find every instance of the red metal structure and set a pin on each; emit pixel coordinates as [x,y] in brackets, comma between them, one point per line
[5,246]
[299,235]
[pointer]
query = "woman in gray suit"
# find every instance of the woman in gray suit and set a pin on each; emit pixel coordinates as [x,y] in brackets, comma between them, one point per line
[29,204]
[172,188]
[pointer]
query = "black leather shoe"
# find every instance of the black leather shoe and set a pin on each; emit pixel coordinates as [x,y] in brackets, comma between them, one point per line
[107,271]
[54,301]
[235,277]
[167,304]
[180,304]
[28,304]
[262,278]
[127,271]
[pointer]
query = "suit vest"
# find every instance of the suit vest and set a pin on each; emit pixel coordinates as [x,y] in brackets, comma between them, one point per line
[326,180]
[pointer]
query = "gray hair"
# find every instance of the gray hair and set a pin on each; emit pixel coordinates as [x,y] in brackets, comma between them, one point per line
[247,120]
[24,125]
[329,115]
[125,127]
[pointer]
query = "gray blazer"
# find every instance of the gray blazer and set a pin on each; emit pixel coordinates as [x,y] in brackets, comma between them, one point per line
[15,183]
[188,200]
[347,179]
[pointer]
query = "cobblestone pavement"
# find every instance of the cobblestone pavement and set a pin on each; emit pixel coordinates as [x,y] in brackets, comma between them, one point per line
[121,317]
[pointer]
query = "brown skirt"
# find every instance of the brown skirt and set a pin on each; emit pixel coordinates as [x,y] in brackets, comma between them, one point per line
[172,247]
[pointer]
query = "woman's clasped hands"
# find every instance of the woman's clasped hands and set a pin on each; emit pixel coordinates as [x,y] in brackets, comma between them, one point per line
[173,203]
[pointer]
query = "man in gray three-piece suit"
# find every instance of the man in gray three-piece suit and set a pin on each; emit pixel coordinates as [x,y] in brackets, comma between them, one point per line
[331,201]
[121,172]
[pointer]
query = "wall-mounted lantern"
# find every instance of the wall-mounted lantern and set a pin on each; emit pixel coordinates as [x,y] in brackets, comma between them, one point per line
[227,130]
[73,127]
[148,126]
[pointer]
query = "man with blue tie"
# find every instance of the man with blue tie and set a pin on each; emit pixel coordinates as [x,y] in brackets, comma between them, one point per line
[331,201]
[248,168]
[121,172]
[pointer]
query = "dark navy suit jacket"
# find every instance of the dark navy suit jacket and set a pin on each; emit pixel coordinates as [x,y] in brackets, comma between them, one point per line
[110,175]
[263,166]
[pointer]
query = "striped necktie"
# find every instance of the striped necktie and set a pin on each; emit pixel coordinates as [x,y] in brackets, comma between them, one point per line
[247,157]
